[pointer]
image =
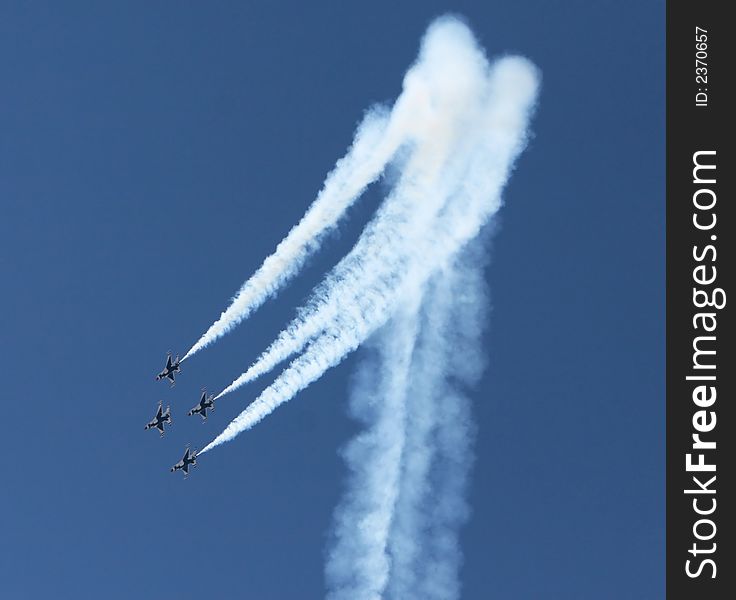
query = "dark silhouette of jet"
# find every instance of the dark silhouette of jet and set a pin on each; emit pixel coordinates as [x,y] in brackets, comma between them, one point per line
[189,458]
[205,402]
[169,369]
[163,417]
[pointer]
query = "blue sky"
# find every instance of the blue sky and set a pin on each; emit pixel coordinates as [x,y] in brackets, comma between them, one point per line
[151,156]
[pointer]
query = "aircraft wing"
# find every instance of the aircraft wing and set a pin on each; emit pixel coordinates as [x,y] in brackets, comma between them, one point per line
[168,361]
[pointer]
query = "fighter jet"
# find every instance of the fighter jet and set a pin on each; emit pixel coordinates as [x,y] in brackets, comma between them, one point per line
[162,417]
[205,402]
[169,370]
[189,458]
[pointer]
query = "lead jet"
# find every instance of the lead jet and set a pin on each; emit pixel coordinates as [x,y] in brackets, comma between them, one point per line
[169,370]
[163,417]
[205,402]
[189,458]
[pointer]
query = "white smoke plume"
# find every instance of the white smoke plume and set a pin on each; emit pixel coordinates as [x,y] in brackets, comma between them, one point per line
[413,291]
[437,451]
[439,101]
[359,565]
[372,147]
[433,108]
[449,187]
[395,532]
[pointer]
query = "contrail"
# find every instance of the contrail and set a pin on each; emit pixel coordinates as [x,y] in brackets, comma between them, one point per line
[415,244]
[371,270]
[395,531]
[435,102]
[358,567]
[436,207]
[407,538]
[412,290]
[364,162]
[415,255]
[437,456]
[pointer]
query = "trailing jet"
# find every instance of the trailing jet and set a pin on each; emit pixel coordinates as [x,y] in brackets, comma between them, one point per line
[205,402]
[169,369]
[189,458]
[162,417]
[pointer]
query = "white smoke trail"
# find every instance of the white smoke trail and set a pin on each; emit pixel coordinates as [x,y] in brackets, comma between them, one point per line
[372,148]
[440,96]
[372,269]
[358,567]
[407,538]
[396,532]
[365,309]
[424,549]
[472,197]
[436,207]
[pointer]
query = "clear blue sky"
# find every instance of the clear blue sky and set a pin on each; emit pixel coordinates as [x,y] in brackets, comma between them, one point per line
[151,154]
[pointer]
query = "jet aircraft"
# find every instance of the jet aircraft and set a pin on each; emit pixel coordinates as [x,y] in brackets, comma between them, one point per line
[169,370]
[163,417]
[189,458]
[205,402]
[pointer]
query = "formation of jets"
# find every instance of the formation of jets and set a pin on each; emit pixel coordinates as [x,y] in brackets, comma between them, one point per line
[163,417]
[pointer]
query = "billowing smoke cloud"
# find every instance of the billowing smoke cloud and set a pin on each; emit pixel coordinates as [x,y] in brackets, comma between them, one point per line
[434,107]
[451,102]
[449,187]
[412,290]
